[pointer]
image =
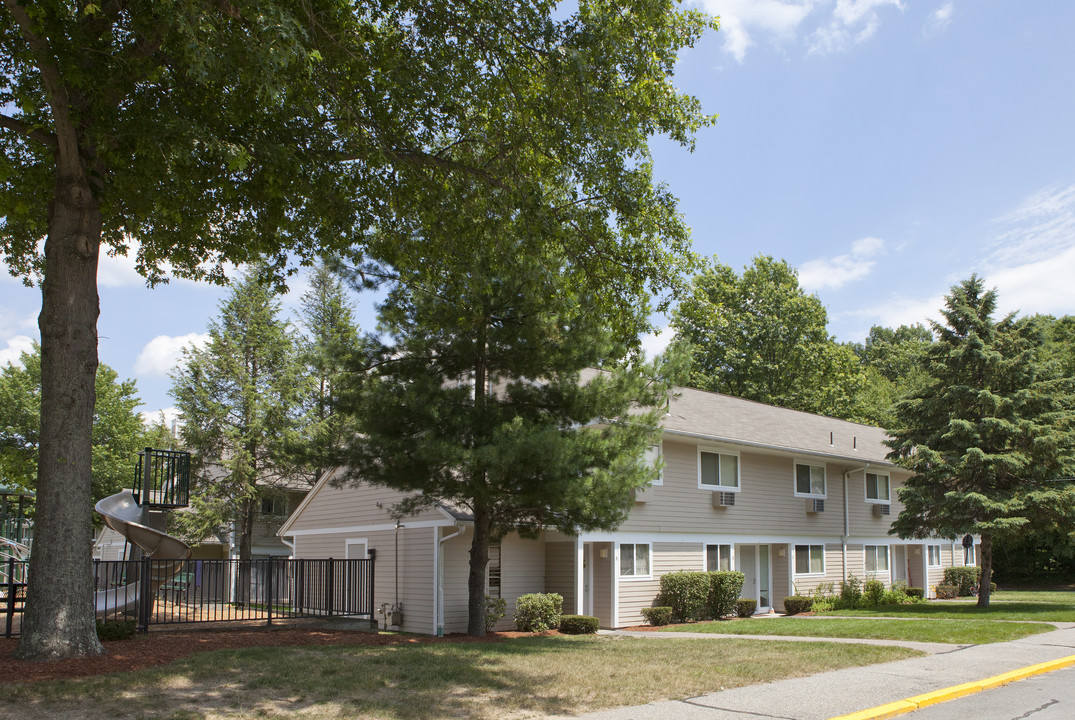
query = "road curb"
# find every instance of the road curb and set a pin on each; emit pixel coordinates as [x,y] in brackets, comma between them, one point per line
[900,707]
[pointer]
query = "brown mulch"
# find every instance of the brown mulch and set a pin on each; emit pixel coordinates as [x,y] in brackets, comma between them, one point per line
[162,647]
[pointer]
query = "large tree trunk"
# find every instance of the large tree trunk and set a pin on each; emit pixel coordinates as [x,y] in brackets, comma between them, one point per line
[479,561]
[986,578]
[248,515]
[59,620]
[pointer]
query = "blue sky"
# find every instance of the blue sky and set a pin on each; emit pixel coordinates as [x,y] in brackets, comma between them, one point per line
[888,149]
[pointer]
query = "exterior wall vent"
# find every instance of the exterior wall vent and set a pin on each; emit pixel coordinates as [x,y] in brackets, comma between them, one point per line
[815,506]
[723,499]
[882,510]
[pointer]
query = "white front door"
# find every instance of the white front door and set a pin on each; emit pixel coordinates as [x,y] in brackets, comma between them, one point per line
[753,562]
[899,564]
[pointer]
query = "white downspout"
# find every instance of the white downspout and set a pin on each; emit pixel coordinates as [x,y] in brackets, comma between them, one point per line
[438,572]
[847,518]
[290,545]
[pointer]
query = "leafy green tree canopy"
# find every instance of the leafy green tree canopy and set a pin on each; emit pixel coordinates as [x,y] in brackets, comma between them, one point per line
[760,336]
[991,434]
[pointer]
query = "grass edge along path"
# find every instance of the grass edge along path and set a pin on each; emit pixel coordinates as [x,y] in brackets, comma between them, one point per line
[960,632]
[517,678]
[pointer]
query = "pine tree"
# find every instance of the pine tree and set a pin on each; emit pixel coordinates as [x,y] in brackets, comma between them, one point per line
[237,397]
[478,402]
[989,436]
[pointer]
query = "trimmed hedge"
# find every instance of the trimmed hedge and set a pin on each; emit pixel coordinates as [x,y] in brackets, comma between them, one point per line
[686,592]
[797,604]
[578,624]
[724,589]
[964,578]
[657,615]
[915,592]
[495,610]
[538,612]
[745,607]
[947,591]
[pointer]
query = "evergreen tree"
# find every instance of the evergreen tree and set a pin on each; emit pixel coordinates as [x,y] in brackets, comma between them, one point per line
[989,436]
[237,396]
[479,401]
[760,336]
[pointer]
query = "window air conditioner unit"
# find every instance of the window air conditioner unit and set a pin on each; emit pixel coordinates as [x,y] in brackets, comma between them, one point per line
[723,499]
[815,506]
[881,510]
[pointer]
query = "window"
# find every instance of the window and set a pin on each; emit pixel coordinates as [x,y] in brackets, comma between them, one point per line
[933,558]
[968,555]
[810,480]
[877,488]
[809,559]
[718,471]
[718,557]
[273,506]
[877,558]
[653,458]
[634,560]
[494,572]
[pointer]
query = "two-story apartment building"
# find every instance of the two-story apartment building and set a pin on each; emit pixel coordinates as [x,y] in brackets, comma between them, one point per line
[789,498]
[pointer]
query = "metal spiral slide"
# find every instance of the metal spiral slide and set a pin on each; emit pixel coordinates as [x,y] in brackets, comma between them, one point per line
[121,513]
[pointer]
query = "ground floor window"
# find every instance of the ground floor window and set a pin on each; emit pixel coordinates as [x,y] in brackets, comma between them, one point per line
[968,555]
[876,558]
[809,559]
[934,552]
[718,557]
[634,559]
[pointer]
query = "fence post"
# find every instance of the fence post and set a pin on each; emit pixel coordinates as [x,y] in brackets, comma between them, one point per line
[300,585]
[10,595]
[329,586]
[144,591]
[369,596]
[268,590]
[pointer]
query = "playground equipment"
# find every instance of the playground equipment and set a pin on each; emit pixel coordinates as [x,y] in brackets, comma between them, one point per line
[162,481]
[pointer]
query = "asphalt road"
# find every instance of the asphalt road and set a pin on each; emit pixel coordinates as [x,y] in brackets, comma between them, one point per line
[1043,697]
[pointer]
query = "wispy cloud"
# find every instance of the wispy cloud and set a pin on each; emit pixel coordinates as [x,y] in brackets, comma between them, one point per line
[162,353]
[838,271]
[170,415]
[741,20]
[939,19]
[852,22]
[16,346]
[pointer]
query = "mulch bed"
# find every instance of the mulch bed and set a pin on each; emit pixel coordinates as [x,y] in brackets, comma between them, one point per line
[162,647]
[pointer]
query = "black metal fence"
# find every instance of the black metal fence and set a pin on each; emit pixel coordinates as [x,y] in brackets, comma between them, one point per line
[164,592]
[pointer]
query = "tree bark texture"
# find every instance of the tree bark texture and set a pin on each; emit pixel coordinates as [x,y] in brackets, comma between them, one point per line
[986,578]
[479,561]
[59,620]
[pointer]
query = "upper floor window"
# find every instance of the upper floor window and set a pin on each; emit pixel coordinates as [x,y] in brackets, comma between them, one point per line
[274,505]
[878,487]
[933,558]
[809,480]
[877,558]
[968,555]
[653,458]
[634,560]
[809,559]
[718,557]
[718,470]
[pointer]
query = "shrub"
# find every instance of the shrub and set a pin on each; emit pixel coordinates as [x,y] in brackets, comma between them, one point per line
[118,630]
[947,591]
[686,593]
[657,615]
[724,589]
[850,592]
[537,612]
[916,593]
[495,609]
[797,604]
[578,624]
[745,607]
[873,593]
[964,578]
[825,605]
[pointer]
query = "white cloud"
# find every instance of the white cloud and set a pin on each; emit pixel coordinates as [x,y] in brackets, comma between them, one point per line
[852,22]
[172,417]
[16,346]
[838,271]
[939,19]
[740,20]
[118,270]
[162,353]
[655,343]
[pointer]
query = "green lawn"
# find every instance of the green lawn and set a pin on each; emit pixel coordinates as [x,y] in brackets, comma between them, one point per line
[975,632]
[519,678]
[1032,605]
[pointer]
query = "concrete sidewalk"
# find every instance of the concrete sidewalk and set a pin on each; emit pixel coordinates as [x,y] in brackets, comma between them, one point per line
[840,692]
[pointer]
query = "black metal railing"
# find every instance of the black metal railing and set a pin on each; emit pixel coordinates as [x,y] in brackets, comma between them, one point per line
[162,478]
[165,592]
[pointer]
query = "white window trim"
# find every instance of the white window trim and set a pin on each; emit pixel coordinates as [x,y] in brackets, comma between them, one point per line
[619,549]
[738,469]
[795,572]
[940,560]
[659,480]
[875,501]
[795,463]
[888,560]
[731,554]
[356,541]
[973,551]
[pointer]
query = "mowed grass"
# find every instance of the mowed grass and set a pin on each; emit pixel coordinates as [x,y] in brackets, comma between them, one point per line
[519,678]
[964,632]
[1026,605]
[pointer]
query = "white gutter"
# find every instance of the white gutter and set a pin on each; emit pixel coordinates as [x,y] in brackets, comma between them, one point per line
[438,573]
[847,517]
[290,545]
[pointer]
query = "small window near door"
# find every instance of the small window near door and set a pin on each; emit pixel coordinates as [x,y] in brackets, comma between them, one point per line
[933,558]
[718,557]
[494,572]
[877,558]
[653,458]
[634,559]
[809,559]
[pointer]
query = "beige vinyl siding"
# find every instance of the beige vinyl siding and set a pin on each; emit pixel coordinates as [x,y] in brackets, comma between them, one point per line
[352,506]
[455,569]
[560,572]
[415,569]
[805,584]
[766,503]
[602,583]
[636,594]
[522,572]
